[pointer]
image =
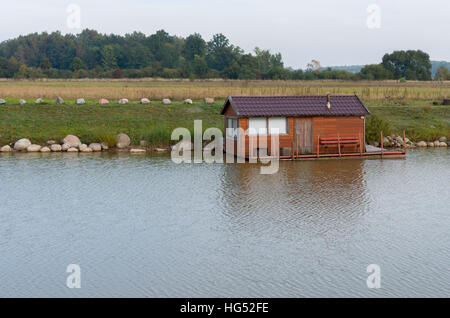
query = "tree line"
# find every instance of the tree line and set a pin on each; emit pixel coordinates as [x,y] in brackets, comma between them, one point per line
[91,54]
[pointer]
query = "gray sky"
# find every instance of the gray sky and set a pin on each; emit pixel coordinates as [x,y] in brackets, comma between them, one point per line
[333,32]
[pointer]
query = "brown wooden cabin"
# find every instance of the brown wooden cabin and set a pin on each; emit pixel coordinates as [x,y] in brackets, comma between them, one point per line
[308,125]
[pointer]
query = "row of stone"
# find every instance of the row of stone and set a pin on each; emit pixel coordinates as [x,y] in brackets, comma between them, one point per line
[398,142]
[104,101]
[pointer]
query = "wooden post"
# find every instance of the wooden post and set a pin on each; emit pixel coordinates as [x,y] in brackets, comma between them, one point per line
[382,144]
[339,145]
[318,146]
[360,144]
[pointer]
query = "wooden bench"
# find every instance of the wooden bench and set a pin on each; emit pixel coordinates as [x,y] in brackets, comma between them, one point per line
[341,141]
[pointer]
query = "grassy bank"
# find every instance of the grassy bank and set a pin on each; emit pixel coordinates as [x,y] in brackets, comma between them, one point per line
[155,122]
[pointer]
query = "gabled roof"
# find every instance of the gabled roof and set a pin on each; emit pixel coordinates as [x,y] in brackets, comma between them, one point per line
[262,106]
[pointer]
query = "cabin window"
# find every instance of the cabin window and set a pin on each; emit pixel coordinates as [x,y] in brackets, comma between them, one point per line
[257,126]
[232,126]
[277,123]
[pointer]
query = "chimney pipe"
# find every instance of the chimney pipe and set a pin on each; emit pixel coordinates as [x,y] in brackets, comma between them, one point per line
[329,101]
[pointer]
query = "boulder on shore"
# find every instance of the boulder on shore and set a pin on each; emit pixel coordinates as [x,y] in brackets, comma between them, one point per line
[188,101]
[50,142]
[33,148]
[59,100]
[123,101]
[443,144]
[95,147]
[421,144]
[56,148]
[80,101]
[6,148]
[145,101]
[443,139]
[138,151]
[45,149]
[123,141]
[209,100]
[437,143]
[103,101]
[104,146]
[65,147]
[2,101]
[22,144]
[72,141]
[86,149]
[166,101]
[82,147]
[430,144]
[72,149]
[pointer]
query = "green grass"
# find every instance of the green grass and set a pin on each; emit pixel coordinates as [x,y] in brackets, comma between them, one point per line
[155,122]
[101,123]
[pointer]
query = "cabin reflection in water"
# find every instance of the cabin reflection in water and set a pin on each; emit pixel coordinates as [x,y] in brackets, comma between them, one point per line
[308,191]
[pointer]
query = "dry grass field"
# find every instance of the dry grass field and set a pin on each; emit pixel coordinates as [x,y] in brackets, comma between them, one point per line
[157,89]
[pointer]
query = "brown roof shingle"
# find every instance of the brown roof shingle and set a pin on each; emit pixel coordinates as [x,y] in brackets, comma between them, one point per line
[341,105]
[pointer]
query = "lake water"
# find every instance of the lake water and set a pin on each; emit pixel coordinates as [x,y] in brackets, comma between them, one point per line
[141,226]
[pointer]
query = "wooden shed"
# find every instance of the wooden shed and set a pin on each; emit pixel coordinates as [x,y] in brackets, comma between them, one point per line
[307,125]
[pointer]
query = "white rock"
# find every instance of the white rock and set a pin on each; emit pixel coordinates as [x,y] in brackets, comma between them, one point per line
[209,100]
[6,148]
[188,101]
[437,143]
[123,141]
[38,101]
[443,139]
[65,147]
[2,101]
[166,101]
[421,144]
[137,151]
[123,101]
[104,146]
[103,101]
[59,100]
[430,144]
[95,147]
[443,144]
[57,148]
[51,142]
[86,149]
[72,141]
[22,144]
[34,148]
[80,101]
[145,101]
[72,149]
[45,149]
[22,102]
[161,150]
[82,147]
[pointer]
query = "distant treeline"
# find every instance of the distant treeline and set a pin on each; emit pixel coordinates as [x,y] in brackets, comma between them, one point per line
[94,55]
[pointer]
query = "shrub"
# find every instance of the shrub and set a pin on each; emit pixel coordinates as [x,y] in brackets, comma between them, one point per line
[375,125]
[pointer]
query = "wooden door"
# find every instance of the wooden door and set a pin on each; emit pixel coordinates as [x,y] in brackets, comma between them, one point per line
[303,130]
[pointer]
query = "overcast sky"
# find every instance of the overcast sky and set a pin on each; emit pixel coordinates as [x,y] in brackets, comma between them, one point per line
[331,31]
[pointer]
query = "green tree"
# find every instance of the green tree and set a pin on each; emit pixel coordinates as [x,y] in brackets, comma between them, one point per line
[77,64]
[200,66]
[375,72]
[194,45]
[442,74]
[109,61]
[412,65]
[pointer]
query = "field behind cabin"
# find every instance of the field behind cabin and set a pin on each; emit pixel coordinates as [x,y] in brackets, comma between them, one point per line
[405,106]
